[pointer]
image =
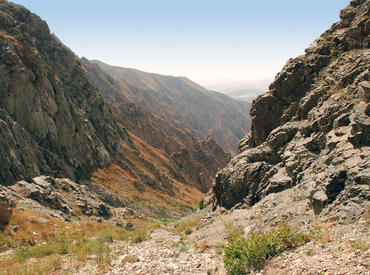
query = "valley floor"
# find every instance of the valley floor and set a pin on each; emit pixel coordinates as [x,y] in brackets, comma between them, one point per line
[195,245]
[338,249]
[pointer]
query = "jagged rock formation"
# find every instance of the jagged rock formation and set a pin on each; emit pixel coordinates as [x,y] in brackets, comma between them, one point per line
[198,161]
[312,127]
[186,105]
[52,121]
[65,200]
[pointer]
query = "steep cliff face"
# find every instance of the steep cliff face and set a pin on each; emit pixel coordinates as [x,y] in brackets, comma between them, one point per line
[187,105]
[52,120]
[312,127]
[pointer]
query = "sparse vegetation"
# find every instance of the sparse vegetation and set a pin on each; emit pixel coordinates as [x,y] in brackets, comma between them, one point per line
[320,233]
[182,247]
[139,186]
[241,254]
[187,226]
[201,204]
[219,249]
[45,240]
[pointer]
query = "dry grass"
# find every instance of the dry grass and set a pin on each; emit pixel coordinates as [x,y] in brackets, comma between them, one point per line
[150,198]
[320,232]
[147,200]
[367,211]
[187,226]
[232,231]
[39,242]
[46,265]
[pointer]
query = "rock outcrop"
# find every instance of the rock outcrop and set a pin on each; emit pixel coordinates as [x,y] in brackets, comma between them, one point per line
[65,200]
[312,127]
[52,120]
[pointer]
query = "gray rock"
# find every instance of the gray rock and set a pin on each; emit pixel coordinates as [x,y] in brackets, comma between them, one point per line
[52,121]
[364,90]
[310,129]
[319,200]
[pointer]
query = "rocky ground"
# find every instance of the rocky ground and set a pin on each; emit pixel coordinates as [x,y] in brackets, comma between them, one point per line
[334,247]
[337,249]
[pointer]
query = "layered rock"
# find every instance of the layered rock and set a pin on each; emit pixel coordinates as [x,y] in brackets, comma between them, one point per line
[52,121]
[312,127]
[200,162]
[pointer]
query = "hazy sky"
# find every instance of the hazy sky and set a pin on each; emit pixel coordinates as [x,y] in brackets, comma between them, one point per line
[209,41]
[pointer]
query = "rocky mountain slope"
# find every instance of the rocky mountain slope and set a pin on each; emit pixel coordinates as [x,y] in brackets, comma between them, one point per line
[311,129]
[55,122]
[187,105]
[198,161]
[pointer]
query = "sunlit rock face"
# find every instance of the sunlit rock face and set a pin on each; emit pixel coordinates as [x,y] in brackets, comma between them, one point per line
[312,127]
[52,121]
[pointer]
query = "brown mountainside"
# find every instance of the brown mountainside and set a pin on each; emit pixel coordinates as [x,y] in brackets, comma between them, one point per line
[197,161]
[187,105]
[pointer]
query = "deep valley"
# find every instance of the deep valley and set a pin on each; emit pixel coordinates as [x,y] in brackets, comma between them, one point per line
[111,170]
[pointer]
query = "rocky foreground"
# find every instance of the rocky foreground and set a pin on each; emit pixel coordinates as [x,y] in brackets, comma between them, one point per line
[340,249]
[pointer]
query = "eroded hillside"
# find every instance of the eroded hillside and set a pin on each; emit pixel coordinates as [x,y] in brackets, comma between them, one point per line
[197,160]
[187,105]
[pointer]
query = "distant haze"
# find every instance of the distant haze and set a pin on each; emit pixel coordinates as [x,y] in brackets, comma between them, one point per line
[231,85]
[207,41]
[238,88]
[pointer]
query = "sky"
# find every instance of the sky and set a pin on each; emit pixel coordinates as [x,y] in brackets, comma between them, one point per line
[215,43]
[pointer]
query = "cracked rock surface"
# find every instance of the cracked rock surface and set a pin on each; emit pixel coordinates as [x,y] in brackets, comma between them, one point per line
[311,128]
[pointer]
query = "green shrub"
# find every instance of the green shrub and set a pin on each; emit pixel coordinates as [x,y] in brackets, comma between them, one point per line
[241,253]
[201,204]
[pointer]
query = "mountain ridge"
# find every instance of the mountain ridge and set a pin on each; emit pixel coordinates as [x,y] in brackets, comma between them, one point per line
[183,148]
[188,105]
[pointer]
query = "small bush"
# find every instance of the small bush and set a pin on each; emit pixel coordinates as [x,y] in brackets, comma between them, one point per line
[201,204]
[241,253]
